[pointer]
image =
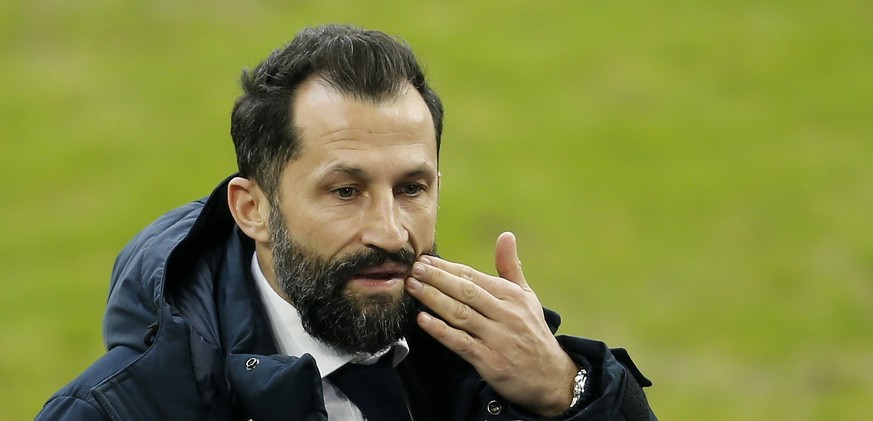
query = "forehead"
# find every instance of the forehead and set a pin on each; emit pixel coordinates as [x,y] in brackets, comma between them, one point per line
[324,117]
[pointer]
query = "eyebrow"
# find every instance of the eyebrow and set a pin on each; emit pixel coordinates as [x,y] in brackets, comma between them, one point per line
[423,170]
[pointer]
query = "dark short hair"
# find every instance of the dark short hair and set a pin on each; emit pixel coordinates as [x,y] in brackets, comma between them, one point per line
[363,64]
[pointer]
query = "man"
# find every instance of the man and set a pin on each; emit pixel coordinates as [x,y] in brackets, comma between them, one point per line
[307,285]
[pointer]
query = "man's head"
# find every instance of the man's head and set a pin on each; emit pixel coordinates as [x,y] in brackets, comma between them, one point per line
[362,64]
[337,137]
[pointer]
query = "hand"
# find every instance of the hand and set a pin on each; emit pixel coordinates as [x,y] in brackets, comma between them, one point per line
[496,324]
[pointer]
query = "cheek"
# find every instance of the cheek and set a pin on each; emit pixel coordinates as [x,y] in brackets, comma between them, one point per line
[324,231]
[422,230]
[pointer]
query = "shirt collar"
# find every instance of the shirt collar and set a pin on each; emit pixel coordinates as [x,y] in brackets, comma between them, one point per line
[293,340]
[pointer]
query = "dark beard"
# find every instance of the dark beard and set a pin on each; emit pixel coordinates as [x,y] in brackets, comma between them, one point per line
[328,311]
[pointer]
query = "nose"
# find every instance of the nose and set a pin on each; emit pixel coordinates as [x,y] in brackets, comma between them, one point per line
[382,225]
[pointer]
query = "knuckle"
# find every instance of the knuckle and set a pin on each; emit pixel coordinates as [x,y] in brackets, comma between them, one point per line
[442,331]
[437,275]
[469,291]
[432,293]
[514,293]
[467,273]
[467,345]
[462,312]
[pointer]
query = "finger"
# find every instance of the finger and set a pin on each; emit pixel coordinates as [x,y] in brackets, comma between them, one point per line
[460,281]
[462,315]
[458,341]
[506,259]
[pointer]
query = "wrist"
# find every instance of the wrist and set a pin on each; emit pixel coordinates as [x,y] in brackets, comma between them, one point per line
[560,393]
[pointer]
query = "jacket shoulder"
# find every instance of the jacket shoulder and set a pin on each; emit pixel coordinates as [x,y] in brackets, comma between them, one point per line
[136,288]
[70,408]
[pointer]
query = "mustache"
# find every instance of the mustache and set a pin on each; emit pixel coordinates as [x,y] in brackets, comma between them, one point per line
[347,266]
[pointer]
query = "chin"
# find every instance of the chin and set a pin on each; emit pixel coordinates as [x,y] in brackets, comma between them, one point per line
[378,302]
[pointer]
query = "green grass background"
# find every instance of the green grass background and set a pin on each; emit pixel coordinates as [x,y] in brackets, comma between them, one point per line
[689,179]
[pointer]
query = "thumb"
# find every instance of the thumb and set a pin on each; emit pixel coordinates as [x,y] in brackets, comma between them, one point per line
[506,259]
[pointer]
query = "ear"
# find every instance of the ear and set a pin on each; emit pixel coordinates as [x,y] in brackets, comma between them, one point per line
[250,208]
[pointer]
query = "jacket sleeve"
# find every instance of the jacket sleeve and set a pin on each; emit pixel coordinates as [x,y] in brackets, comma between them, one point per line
[614,389]
[76,401]
[615,384]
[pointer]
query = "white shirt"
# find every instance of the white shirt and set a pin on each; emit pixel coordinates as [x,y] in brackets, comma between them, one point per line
[292,340]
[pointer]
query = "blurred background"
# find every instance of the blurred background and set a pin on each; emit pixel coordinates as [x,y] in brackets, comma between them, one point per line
[691,180]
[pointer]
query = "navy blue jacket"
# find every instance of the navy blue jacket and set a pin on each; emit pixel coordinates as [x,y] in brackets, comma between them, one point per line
[188,339]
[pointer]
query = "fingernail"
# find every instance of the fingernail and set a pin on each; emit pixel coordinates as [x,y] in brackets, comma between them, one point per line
[424,259]
[418,269]
[413,284]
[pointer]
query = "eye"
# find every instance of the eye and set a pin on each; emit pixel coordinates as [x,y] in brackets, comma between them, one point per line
[412,189]
[346,192]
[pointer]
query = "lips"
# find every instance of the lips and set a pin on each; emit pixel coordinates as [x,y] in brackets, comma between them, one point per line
[385,271]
